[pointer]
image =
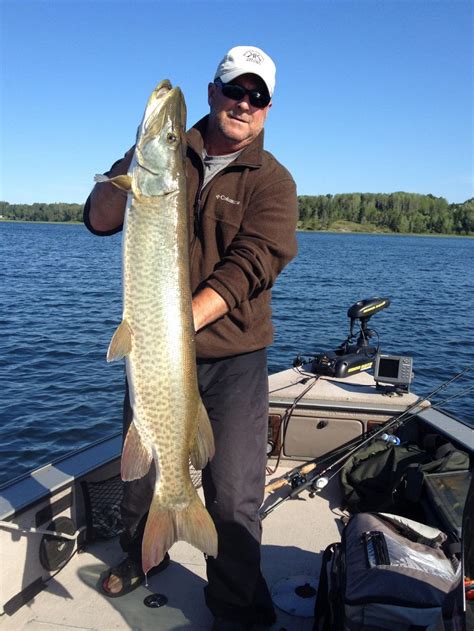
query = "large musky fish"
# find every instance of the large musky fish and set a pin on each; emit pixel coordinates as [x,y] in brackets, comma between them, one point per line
[170,424]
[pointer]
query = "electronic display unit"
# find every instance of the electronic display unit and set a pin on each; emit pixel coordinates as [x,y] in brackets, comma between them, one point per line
[395,370]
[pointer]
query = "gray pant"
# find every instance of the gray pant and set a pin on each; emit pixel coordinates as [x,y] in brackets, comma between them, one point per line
[235,393]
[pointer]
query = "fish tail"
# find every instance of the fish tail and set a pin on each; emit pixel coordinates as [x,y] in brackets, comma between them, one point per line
[166,526]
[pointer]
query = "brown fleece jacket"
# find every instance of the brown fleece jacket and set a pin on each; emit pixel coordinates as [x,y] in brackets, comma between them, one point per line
[242,234]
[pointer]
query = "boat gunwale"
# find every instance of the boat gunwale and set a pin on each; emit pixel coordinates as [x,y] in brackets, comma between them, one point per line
[32,488]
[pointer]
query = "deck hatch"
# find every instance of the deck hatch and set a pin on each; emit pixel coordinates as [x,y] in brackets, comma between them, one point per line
[311,437]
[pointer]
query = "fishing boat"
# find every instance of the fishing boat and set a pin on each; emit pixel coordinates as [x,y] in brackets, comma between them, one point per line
[59,524]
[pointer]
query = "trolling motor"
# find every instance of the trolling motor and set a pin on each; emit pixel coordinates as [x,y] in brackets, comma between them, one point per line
[352,357]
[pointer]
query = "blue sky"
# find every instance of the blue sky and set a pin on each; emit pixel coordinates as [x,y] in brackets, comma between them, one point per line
[371,95]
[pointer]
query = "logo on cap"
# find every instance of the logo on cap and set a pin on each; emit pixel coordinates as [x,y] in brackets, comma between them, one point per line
[253,56]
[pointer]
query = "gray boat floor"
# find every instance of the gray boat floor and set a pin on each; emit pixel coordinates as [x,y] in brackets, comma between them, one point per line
[294,538]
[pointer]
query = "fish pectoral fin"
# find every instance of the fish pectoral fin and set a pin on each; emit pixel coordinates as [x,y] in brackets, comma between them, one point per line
[136,456]
[164,527]
[121,342]
[123,182]
[203,448]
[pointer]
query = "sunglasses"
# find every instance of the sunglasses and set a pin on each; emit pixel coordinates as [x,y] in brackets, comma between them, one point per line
[237,93]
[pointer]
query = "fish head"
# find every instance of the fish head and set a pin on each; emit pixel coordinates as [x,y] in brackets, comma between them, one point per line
[161,143]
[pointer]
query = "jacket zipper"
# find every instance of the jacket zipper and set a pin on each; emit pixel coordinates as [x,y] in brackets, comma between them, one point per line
[197,210]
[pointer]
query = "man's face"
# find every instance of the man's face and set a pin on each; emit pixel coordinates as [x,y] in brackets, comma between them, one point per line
[234,124]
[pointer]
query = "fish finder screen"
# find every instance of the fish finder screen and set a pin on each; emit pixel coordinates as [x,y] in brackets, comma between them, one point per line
[388,368]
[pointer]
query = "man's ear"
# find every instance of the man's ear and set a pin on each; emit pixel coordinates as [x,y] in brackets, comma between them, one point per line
[211,90]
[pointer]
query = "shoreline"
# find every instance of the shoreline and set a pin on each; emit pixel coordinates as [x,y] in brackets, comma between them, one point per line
[53,223]
[388,233]
[342,231]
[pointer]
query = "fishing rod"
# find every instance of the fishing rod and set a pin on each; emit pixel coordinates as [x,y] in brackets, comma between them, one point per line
[296,477]
[292,478]
[454,396]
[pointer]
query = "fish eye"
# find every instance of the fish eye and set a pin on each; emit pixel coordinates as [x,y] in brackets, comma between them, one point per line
[171,137]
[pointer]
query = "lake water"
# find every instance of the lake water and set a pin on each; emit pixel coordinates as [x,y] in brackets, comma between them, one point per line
[60,302]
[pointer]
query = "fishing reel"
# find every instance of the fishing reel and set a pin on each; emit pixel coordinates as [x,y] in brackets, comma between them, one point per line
[355,353]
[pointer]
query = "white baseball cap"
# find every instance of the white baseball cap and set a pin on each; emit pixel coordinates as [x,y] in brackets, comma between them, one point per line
[247,59]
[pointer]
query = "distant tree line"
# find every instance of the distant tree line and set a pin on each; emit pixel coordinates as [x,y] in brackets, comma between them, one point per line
[41,212]
[394,212]
[369,212]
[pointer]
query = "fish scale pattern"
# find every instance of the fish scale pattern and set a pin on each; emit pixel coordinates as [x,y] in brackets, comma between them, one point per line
[165,393]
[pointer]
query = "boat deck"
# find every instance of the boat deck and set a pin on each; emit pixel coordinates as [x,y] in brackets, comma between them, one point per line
[294,538]
[295,535]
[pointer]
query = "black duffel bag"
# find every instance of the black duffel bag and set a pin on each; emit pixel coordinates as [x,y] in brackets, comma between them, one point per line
[388,477]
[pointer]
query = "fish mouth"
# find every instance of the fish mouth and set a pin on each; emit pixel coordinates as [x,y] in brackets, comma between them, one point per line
[165,100]
[177,103]
[162,88]
[164,92]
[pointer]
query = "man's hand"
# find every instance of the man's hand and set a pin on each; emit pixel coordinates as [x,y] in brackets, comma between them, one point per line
[208,306]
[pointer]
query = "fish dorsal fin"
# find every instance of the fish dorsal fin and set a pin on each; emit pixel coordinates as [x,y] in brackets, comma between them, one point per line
[136,456]
[203,448]
[121,342]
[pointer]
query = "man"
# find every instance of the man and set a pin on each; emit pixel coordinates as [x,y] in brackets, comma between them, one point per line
[242,217]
